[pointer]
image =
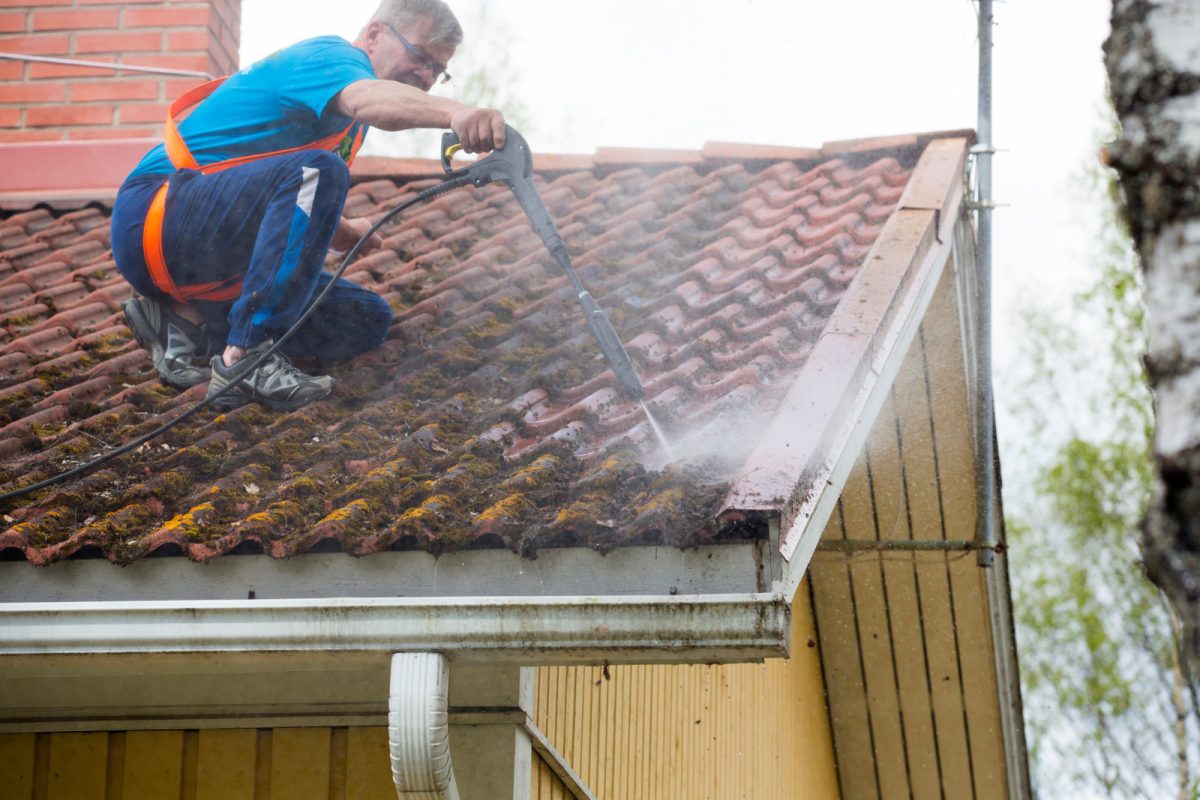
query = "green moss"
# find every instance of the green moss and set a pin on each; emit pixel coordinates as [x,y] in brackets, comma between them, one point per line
[49,430]
[280,517]
[14,407]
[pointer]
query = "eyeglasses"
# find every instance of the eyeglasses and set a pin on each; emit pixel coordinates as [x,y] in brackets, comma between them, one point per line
[422,58]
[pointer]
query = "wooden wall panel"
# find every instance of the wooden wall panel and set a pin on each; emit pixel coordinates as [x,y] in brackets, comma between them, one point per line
[225,765]
[368,765]
[979,675]
[723,731]
[300,762]
[917,506]
[78,766]
[153,765]
[921,630]
[242,764]
[17,765]
[546,785]
[850,722]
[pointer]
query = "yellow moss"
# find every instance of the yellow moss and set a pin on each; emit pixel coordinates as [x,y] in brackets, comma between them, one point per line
[306,486]
[669,500]
[277,514]
[187,522]
[535,472]
[52,429]
[347,511]
[511,507]
[431,507]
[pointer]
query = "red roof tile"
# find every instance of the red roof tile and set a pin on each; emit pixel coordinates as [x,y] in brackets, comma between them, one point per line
[488,417]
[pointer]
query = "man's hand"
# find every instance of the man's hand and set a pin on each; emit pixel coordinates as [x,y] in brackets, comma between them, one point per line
[349,231]
[480,130]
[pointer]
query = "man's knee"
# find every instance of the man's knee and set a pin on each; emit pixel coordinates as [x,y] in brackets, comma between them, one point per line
[376,319]
[331,167]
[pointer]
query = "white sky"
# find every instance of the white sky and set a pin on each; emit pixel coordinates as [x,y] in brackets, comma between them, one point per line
[678,73]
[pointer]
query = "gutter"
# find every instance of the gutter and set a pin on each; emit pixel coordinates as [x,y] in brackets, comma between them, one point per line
[529,631]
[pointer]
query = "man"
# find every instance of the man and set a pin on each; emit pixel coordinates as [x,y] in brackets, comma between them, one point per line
[224,228]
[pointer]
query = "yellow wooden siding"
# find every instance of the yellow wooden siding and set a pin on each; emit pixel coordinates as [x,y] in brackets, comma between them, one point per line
[905,639]
[546,785]
[698,732]
[280,764]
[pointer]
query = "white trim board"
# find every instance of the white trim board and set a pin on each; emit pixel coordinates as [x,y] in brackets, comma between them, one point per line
[716,569]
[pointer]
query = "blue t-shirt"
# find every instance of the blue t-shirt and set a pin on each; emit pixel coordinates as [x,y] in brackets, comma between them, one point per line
[277,103]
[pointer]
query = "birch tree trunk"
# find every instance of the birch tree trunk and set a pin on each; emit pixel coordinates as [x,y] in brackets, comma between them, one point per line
[1153,61]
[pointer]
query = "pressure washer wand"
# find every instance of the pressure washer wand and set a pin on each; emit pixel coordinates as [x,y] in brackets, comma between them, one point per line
[512,165]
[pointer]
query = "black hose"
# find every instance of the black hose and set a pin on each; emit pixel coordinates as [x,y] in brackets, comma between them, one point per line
[84,469]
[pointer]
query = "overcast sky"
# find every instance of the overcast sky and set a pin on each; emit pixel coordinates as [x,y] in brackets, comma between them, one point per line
[678,73]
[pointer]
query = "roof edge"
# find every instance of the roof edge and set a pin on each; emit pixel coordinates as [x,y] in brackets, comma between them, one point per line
[712,152]
[801,461]
[73,174]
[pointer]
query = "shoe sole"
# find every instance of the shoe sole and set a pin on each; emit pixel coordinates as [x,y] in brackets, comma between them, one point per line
[236,400]
[228,403]
[145,331]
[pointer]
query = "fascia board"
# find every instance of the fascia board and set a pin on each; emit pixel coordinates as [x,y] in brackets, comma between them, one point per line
[801,466]
[683,629]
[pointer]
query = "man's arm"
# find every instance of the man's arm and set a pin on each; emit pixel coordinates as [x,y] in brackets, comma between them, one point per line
[395,106]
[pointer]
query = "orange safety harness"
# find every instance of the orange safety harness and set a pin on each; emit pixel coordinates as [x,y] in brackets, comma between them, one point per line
[181,158]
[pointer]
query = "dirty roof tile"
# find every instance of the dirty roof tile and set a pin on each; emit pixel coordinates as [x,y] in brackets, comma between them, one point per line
[488,418]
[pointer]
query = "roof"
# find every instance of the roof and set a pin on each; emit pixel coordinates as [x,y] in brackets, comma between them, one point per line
[488,417]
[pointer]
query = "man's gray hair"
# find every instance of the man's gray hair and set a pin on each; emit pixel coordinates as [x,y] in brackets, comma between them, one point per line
[443,25]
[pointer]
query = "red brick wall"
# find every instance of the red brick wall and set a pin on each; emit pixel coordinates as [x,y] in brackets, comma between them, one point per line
[51,102]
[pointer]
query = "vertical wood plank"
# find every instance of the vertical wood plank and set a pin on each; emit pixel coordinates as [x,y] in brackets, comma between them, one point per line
[153,765]
[78,766]
[947,389]
[191,755]
[368,765]
[338,754]
[41,766]
[917,503]
[299,763]
[816,769]
[945,680]
[225,764]
[263,745]
[976,649]
[869,612]
[115,770]
[16,765]
[845,684]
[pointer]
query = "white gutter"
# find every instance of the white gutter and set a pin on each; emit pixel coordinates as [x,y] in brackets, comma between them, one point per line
[735,627]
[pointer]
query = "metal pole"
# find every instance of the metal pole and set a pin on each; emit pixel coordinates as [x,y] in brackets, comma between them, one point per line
[901,545]
[985,533]
[74,62]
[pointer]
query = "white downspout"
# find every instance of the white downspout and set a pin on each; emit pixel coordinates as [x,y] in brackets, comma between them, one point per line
[419,727]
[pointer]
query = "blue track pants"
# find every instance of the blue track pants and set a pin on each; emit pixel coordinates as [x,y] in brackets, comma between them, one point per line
[269,221]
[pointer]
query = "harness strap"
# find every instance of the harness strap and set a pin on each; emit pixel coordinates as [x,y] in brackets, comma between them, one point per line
[181,158]
[157,265]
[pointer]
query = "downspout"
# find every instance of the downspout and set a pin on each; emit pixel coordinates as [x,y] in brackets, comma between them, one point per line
[419,727]
[985,530]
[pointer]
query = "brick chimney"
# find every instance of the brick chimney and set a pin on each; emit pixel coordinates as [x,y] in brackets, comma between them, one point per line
[42,102]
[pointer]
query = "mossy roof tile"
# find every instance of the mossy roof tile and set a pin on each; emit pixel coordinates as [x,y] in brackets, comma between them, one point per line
[488,418]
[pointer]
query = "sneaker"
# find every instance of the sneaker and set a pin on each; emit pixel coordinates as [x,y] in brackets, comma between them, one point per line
[174,342]
[275,383]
